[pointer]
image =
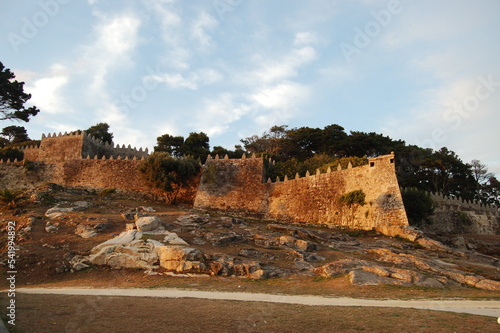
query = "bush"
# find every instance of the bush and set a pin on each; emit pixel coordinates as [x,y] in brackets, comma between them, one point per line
[354,197]
[10,199]
[170,174]
[10,153]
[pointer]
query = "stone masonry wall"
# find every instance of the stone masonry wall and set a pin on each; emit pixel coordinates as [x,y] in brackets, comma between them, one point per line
[458,216]
[56,148]
[78,145]
[232,185]
[237,185]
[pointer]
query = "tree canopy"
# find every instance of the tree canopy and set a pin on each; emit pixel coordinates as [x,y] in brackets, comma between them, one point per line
[196,145]
[303,149]
[100,131]
[13,98]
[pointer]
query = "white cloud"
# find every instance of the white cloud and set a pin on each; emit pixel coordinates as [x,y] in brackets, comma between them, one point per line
[200,28]
[192,81]
[286,67]
[305,38]
[217,114]
[462,116]
[47,91]
[283,95]
[176,54]
[116,38]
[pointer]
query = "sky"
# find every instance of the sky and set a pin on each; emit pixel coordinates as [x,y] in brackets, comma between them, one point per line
[427,72]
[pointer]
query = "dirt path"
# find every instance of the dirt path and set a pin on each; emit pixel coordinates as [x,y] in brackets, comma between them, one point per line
[483,308]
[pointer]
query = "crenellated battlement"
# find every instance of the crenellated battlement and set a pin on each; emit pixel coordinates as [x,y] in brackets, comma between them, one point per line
[375,162]
[78,145]
[237,185]
[447,203]
[93,146]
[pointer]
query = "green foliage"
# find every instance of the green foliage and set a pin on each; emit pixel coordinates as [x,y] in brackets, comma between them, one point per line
[170,174]
[13,98]
[170,144]
[196,145]
[303,149]
[418,205]
[11,154]
[352,198]
[15,134]
[29,165]
[10,199]
[221,151]
[100,131]
[319,161]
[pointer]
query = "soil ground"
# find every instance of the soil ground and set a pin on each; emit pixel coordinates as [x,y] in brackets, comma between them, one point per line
[42,262]
[54,313]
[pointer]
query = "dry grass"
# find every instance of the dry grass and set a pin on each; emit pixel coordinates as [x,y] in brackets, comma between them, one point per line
[51,313]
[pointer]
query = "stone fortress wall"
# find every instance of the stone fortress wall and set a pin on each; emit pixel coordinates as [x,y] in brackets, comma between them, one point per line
[76,159]
[454,215]
[237,185]
[78,145]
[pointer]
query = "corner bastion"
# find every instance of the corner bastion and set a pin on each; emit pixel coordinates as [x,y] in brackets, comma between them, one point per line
[238,186]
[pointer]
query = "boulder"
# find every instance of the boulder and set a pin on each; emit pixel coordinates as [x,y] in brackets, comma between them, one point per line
[49,227]
[181,259]
[297,244]
[85,231]
[359,277]
[265,241]
[488,285]
[147,223]
[79,263]
[171,238]
[137,254]
[224,239]
[90,230]
[339,267]
[125,237]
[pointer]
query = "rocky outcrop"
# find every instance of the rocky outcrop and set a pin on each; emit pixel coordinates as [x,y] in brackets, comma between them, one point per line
[90,230]
[182,259]
[147,223]
[58,211]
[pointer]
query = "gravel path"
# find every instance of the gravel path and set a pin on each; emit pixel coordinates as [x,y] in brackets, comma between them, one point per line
[483,308]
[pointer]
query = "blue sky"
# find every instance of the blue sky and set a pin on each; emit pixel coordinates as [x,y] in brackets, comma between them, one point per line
[427,72]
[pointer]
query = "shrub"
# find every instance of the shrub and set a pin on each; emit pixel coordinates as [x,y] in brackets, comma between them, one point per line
[9,153]
[352,198]
[10,199]
[170,174]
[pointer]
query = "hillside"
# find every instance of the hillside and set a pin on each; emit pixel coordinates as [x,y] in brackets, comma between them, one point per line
[60,231]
